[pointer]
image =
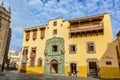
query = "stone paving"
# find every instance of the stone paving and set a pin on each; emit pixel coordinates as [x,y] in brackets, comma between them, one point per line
[40,77]
[14,75]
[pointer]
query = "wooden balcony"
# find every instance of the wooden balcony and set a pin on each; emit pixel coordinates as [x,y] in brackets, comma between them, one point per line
[34,37]
[42,36]
[32,55]
[80,29]
[27,38]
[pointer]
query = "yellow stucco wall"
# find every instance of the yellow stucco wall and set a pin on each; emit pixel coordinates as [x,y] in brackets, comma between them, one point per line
[82,71]
[109,72]
[105,49]
[35,70]
[66,70]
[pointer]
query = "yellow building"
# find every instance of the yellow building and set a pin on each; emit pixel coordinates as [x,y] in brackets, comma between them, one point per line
[117,41]
[82,47]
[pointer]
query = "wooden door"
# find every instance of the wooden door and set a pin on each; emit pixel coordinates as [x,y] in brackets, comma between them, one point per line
[23,67]
[93,72]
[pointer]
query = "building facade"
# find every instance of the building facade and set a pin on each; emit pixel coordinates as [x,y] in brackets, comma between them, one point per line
[82,47]
[5,35]
[117,42]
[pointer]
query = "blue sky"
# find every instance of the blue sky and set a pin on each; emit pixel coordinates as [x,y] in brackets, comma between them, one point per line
[30,13]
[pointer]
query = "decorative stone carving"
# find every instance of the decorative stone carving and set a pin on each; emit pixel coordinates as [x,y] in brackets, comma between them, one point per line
[63,50]
[57,55]
[45,51]
[39,61]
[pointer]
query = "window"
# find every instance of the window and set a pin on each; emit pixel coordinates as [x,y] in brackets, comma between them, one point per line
[90,47]
[32,57]
[54,31]
[55,23]
[72,48]
[25,51]
[24,54]
[34,35]
[42,33]
[34,50]
[27,36]
[108,63]
[32,62]
[54,48]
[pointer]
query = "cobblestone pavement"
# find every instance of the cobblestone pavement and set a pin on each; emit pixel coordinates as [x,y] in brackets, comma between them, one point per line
[40,77]
[14,75]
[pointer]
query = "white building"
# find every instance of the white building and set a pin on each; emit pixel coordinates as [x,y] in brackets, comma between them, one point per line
[14,59]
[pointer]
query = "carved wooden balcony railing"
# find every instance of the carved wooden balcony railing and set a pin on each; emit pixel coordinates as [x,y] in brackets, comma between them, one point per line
[86,28]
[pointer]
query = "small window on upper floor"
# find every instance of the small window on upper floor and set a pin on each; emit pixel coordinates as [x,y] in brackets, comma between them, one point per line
[54,31]
[34,34]
[42,33]
[108,63]
[72,49]
[27,36]
[55,23]
[90,47]
[34,50]
[54,48]
[25,51]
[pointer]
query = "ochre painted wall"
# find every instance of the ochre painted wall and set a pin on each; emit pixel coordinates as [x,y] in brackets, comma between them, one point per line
[82,71]
[109,72]
[105,48]
[35,70]
[66,70]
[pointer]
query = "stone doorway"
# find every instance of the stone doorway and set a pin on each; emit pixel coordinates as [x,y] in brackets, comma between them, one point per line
[73,69]
[54,56]
[93,69]
[54,67]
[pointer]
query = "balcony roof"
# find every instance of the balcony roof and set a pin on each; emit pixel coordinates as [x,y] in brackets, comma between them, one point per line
[100,16]
[34,28]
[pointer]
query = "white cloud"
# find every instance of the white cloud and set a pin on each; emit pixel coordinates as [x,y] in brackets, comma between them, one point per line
[33,2]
